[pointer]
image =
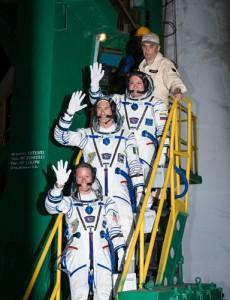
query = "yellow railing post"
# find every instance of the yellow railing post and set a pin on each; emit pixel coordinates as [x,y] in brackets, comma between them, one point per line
[57,289]
[141,255]
[189,149]
[177,148]
[42,258]
[157,220]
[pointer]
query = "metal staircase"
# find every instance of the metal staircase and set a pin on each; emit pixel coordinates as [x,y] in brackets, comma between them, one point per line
[164,280]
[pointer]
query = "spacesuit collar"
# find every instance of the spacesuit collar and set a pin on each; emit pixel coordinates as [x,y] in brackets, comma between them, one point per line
[143,97]
[115,127]
[112,128]
[90,197]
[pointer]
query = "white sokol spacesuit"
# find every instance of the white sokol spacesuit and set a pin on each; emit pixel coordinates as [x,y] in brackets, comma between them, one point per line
[91,223]
[145,116]
[165,76]
[113,152]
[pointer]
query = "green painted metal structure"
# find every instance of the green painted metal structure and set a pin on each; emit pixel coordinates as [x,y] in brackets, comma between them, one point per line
[197,291]
[54,46]
[171,276]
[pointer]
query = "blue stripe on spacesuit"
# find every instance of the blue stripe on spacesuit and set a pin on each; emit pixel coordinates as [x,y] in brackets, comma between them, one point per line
[70,212]
[91,249]
[119,247]
[62,128]
[111,248]
[111,210]
[117,197]
[147,134]
[78,204]
[138,102]
[81,267]
[63,261]
[126,102]
[129,185]
[104,267]
[63,120]
[58,210]
[53,208]
[54,199]
[120,137]
[135,168]
[115,232]
[148,103]
[96,95]
[95,136]
[144,162]
[61,135]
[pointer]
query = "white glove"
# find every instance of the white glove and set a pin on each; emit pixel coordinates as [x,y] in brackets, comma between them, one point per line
[75,103]
[96,75]
[164,153]
[61,172]
[120,255]
[139,195]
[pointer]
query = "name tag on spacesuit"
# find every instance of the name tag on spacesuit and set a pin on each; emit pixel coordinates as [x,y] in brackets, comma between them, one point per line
[89,219]
[153,71]
[106,156]
[133,120]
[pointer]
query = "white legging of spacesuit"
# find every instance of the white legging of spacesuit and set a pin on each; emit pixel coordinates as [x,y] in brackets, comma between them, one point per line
[80,288]
[78,278]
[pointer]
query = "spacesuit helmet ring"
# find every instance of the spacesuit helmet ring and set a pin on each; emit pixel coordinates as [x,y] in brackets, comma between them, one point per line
[87,166]
[115,113]
[147,82]
[94,183]
[112,104]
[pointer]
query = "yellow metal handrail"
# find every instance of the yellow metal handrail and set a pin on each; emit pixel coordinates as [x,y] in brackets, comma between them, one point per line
[57,228]
[182,118]
[174,127]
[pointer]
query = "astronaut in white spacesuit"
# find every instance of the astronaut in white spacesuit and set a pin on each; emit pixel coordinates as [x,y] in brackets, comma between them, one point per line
[91,224]
[165,76]
[144,114]
[110,149]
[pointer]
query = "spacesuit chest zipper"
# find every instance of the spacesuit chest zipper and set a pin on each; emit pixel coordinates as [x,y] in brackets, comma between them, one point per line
[91,258]
[106,179]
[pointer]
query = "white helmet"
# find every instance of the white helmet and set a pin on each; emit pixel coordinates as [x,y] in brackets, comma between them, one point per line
[150,38]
